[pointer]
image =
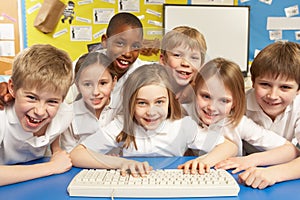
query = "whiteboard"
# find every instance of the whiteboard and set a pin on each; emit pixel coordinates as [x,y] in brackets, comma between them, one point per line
[225,28]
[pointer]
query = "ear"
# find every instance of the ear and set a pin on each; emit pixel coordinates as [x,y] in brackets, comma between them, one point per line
[10,87]
[104,40]
[161,59]
[298,92]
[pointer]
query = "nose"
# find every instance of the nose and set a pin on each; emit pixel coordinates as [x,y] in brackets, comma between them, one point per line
[185,62]
[40,109]
[127,52]
[96,91]
[273,93]
[151,110]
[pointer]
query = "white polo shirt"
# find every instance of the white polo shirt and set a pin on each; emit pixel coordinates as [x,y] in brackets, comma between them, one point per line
[254,134]
[287,124]
[247,130]
[17,146]
[171,138]
[84,124]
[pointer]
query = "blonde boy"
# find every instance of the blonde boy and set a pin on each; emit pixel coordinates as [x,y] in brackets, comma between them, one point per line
[183,51]
[40,79]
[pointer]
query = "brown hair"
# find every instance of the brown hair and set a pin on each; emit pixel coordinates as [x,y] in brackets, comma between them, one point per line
[278,59]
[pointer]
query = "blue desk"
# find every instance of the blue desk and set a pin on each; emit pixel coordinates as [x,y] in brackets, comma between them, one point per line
[55,187]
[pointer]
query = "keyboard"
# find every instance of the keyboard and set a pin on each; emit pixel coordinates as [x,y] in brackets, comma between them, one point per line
[168,183]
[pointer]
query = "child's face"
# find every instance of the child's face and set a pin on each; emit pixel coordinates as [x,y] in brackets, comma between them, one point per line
[151,106]
[274,95]
[184,63]
[95,85]
[35,108]
[214,101]
[123,47]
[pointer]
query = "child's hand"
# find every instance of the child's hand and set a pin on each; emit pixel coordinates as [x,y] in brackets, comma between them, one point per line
[61,161]
[258,177]
[136,168]
[236,163]
[5,96]
[193,165]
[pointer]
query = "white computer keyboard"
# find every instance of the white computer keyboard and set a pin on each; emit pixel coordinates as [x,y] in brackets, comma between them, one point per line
[169,183]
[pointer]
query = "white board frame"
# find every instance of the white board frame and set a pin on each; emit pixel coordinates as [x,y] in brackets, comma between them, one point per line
[225,28]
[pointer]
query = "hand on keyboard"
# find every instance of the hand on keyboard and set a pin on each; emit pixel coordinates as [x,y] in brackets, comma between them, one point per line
[194,165]
[135,168]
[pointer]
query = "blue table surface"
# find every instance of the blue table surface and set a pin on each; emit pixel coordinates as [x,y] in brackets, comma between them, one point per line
[55,187]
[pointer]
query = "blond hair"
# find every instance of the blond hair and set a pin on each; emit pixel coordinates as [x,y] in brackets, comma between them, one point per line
[150,74]
[42,66]
[187,36]
[232,77]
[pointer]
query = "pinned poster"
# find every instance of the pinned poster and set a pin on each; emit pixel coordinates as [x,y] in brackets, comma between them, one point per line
[7,32]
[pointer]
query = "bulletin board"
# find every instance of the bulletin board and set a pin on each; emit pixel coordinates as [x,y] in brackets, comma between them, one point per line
[92,27]
[225,28]
[260,12]
[10,41]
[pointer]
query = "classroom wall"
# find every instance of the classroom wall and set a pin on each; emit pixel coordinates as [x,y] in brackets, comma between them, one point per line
[149,11]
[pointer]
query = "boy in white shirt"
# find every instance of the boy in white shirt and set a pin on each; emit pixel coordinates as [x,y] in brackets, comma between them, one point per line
[274,103]
[40,79]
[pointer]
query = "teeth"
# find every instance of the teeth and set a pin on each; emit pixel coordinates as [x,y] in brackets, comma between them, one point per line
[34,120]
[123,62]
[184,73]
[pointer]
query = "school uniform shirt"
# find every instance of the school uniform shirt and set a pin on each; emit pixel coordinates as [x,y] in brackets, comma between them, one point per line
[17,145]
[246,130]
[84,124]
[254,134]
[287,124]
[171,138]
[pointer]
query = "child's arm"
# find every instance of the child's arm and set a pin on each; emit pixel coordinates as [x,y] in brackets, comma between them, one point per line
[60,162]
[85,158]
[55,147]
[220,152]
[274,156]
[257,177]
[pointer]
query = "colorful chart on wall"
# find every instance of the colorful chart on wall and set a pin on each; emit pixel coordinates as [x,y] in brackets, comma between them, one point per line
[86,21]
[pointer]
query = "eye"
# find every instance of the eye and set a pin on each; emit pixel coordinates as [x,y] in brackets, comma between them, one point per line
[53,102]
[286,87]
[177,55]
[141,103]
[225,100]
[120,43]
[103,83]
[136,46]
[264,84]
[31,97]
[205,96]
[195,58]
[87,84]
[159,102]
